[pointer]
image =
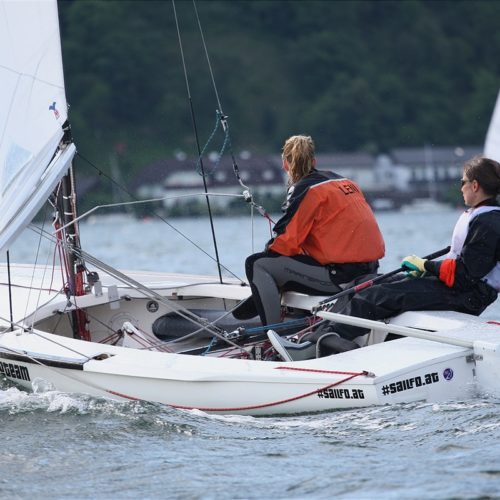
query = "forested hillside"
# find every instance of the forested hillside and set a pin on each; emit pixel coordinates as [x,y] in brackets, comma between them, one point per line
[356,75]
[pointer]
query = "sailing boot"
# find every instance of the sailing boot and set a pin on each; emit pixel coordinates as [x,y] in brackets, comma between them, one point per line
[291,351]
[246,309]
[332,343]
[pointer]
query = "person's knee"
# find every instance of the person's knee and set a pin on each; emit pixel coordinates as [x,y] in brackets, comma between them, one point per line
[249,265]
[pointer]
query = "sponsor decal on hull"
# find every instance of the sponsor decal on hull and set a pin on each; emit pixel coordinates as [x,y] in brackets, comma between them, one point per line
[415,382]
[341,394]
[410,383]
[12,370]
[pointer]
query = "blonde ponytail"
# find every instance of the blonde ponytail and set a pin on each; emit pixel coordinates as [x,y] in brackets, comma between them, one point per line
[298,151]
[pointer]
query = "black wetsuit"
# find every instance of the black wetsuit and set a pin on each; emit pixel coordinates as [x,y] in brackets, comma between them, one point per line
[457,286]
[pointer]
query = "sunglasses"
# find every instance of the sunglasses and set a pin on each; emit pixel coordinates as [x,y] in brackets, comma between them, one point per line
[464,181]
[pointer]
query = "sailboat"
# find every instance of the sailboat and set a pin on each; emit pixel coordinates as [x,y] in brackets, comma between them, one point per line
[172,339]
[492,142]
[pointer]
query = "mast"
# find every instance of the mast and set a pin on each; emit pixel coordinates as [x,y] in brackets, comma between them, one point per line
[11,310]
[66,203]
[75,269]
[68,222]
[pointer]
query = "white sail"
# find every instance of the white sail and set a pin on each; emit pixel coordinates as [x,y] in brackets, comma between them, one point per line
[492,144]
[32,111]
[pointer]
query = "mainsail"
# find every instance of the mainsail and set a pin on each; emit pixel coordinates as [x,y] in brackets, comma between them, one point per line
[492,144]
[32,111]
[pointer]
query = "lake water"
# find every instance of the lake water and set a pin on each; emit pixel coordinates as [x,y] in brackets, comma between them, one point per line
[64,446]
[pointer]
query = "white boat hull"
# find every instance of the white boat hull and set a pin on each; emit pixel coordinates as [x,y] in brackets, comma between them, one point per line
[399,371]
[360,378]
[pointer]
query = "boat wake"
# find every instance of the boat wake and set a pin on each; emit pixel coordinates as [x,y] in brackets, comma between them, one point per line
[14,400]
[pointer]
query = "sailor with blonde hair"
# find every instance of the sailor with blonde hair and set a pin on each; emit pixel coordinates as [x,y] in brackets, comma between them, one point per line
[327,235]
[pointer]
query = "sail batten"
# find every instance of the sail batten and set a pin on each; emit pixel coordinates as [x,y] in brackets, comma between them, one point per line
[33,109]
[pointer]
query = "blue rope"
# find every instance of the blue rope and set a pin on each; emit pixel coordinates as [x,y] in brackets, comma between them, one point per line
[209,346]
[279,326]
[227,140]
[258,329]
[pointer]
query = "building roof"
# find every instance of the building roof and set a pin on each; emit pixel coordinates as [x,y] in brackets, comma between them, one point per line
[261,171]
[440,155]
[344,160]
[175,173]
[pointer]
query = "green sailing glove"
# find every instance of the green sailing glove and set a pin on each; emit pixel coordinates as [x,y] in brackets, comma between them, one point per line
[415,266]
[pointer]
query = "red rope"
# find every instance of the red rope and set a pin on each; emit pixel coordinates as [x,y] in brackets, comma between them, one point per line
[271,223]
[114,336]
[83,321]
[264,405]
[313,370]
[274,403]
[254,407]
[123,395]
[54,268]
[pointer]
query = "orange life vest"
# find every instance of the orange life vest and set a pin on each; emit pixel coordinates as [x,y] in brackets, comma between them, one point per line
[328,218]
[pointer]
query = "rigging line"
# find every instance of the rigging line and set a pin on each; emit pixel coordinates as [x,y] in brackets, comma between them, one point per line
[148,292]
[209,140]
[161,343]
[31,331]
[37,256]
[45,268]
[155,214]
[202,323]
[195,130]
[208,59]
[150,200]
[10,294]
[225,126]
[53,239]
[123,278]
[222,116]
[192,334]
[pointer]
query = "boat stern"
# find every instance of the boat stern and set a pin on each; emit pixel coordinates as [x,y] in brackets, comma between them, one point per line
[487,360]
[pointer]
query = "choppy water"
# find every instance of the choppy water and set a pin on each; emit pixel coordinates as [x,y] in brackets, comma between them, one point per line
[64,446]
